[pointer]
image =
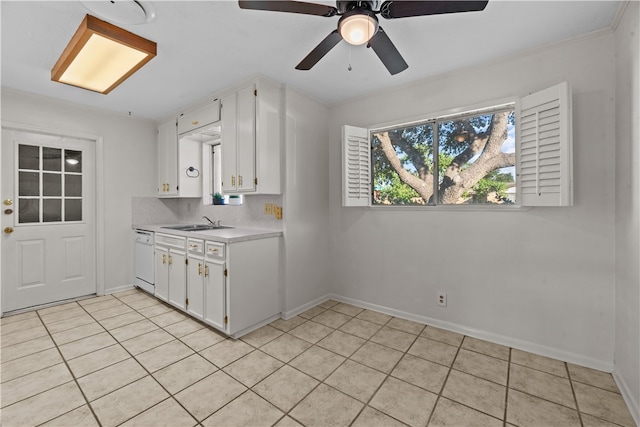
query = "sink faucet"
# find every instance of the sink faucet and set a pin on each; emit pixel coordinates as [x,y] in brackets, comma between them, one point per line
[209,221]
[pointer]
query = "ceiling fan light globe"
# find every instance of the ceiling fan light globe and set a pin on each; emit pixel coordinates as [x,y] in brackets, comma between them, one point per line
[357,28]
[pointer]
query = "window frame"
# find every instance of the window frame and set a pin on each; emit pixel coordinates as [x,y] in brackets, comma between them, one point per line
[443,115]
[546,146]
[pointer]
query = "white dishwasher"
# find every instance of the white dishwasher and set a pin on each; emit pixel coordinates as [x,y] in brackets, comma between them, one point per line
[143,260]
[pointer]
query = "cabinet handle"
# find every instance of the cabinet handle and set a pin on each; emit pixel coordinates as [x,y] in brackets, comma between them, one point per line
[164,259]
[233,181]
[170,260]
[199,269]
[206,271]
[240,180]
[193,246]
[212,250]
[195,122]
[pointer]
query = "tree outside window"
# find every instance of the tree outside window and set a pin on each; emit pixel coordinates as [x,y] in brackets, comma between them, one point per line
[475,161]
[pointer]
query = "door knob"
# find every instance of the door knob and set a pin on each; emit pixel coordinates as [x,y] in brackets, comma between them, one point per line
[8,211]
[8,230]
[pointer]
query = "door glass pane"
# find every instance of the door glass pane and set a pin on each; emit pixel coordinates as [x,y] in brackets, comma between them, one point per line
[51,210]
[28,184]
[51,184]
[73,185]
[51,159]
[28,157]
[73,210]
[73,161]
[28,210]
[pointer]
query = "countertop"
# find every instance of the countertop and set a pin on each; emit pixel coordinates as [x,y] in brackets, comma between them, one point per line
[224,235]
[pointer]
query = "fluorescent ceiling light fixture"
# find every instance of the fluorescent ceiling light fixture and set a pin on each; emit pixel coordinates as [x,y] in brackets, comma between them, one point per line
[100,56]
[357,28]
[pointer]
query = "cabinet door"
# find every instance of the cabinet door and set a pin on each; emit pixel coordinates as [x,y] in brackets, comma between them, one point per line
[215,294]
[246,139]
[167,155]
[161,273]
[228,141]
[195,287]
[177,279]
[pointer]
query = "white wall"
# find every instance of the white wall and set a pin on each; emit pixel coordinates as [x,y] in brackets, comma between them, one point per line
[129,165]
[627,303]
[539,279]
[306,202]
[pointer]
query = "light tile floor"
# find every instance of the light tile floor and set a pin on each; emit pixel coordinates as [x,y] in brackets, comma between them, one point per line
[128,359]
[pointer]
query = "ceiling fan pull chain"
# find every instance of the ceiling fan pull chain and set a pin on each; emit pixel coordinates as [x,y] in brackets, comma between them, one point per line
[349,67]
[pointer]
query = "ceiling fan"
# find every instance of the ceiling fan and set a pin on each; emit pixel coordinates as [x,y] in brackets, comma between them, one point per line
[358,23]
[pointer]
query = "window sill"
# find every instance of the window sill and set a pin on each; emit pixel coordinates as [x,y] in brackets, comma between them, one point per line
[452,208]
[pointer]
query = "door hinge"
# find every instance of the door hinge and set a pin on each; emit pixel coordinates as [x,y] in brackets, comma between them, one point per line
[225,272]
[255,92]
[226,320]
[186,261]
[186,302]
[255,181]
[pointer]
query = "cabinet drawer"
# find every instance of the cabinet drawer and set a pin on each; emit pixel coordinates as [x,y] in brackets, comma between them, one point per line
[202,116]
[195,246]
[215,250]
[171,241]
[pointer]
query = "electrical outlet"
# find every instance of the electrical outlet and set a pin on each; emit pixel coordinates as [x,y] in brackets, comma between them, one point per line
[267,208]
[442,299]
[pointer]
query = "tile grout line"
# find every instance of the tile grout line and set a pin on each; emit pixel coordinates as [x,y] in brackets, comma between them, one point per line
[75,380]
[444,383]
[573,391]
[506,394]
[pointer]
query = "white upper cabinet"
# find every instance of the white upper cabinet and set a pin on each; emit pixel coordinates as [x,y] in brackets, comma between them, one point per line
[167,159]
[251,134]
[179,163]
[203,116]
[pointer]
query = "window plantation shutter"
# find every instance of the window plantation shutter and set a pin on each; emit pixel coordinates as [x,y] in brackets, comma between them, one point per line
[356,168]
[544,144]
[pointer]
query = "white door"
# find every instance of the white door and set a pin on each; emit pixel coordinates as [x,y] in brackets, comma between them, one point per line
[195,287]
[48,219]
[214,295]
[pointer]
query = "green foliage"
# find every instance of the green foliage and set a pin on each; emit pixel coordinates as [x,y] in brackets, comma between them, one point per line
[396,193]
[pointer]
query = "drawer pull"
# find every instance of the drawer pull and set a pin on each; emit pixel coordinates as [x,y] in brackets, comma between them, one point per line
[195,122]
[193,246]
[212,250]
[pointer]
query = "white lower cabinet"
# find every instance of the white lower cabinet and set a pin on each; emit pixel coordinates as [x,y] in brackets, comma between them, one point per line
[232,287]
[161,273]
[170,269]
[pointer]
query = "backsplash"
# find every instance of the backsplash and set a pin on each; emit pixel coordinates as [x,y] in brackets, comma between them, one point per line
[152,210]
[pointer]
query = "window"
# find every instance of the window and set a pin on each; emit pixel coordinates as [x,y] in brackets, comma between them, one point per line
[505,155]
[475,161]
[49,184]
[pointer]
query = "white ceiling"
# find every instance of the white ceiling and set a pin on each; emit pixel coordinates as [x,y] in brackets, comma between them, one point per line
[207,46]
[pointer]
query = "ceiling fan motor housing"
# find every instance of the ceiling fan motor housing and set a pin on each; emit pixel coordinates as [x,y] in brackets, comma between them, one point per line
[347,6]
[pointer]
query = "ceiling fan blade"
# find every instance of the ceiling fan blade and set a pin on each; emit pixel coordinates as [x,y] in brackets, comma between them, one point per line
[290,6]
[387,52]
[405,9]
[320,51]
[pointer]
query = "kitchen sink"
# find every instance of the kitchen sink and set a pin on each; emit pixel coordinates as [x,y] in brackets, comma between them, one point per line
[196,227]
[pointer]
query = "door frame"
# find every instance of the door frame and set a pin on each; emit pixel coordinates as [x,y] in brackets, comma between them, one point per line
[99,189]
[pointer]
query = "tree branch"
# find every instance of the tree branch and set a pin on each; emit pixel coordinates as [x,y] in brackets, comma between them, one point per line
[456,181]
[424,187]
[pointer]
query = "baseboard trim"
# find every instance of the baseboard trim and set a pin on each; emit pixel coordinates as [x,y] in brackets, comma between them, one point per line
[629,399]
[286,315]
[118,289]
[530,347]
